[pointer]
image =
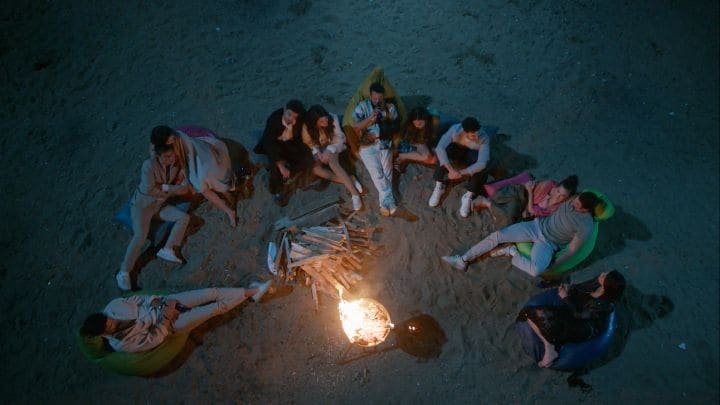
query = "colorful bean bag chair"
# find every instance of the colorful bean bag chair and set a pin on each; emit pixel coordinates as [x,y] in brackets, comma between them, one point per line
[363,93]
[603,211]
[96,349]
[571,356]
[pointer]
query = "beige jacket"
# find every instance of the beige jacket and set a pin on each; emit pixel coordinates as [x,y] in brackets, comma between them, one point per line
[153,176]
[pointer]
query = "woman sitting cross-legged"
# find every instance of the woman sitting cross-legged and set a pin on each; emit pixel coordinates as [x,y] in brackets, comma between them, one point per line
[206,160]
[582,315]
[322,134]
[521,197]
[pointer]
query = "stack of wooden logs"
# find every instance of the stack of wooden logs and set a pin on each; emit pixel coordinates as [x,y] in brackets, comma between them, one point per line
[328,258]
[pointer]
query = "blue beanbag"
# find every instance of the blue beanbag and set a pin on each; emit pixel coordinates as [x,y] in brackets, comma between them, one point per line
[571,356]
[158,229]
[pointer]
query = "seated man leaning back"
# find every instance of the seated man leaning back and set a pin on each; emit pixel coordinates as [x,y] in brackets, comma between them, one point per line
[571,224]
[282,143]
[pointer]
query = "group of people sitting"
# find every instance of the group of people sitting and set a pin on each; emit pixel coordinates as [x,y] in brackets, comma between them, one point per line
[312,142]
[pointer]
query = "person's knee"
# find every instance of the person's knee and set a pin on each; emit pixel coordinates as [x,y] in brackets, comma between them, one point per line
[536,270]
[183,219]
[495,237]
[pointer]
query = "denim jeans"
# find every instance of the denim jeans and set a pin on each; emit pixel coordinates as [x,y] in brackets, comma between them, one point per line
[378,162]
[540,256]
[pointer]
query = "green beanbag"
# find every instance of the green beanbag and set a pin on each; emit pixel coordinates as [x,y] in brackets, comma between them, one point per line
[363,93]
[146,363]
[603,211]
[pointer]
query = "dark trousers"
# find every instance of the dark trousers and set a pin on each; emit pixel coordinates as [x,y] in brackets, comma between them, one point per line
[463,156]
[298,160]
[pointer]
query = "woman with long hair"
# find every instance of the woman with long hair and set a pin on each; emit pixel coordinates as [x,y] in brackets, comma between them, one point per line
[322,134]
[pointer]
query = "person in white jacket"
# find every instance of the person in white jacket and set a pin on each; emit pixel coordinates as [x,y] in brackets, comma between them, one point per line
[322,134]
[142,322]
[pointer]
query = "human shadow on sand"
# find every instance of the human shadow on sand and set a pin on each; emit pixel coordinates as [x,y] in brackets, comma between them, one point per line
[196,336]
[614,232]
[635,311]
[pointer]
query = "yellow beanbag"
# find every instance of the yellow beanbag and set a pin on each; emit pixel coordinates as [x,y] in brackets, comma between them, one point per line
[363,93]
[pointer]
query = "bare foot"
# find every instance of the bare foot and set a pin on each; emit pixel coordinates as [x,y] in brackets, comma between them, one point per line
[550,355]
[481,202]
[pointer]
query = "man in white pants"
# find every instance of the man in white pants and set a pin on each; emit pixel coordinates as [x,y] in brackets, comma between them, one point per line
[142,322]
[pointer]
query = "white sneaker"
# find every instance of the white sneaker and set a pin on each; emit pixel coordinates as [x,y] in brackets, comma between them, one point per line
[356,203]
[123,280]
[169,255]
[357,185]
[262,289]
[509,250]
[465,204]
[436,194]
[456,262]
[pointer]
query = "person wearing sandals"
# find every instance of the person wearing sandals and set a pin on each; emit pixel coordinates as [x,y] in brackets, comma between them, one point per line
[161,177]
[142,322]
[322,134]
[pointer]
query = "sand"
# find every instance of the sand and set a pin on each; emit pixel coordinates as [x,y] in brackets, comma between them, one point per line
[624,94]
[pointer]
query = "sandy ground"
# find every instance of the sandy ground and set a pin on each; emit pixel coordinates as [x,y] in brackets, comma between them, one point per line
[623,93]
